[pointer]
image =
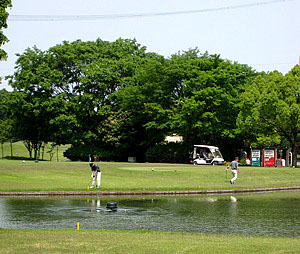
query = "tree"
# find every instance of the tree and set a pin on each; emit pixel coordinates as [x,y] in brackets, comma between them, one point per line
[36,109]
[197,96]
[5,123]
[270,108]
[4,4]
[3,93]
[192,94]
[211,89]
[94,72]
[147,98]
[70,89]
[115,98]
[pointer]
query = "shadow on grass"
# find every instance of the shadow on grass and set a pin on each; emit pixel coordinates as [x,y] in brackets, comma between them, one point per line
[19,158]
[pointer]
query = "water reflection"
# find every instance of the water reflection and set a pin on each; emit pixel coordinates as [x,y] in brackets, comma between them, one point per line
[260,214]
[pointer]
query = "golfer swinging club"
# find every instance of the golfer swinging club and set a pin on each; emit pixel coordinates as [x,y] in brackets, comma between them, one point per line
[96,174]
[234,169]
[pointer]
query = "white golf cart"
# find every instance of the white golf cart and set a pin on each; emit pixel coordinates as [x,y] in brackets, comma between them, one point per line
[207,155]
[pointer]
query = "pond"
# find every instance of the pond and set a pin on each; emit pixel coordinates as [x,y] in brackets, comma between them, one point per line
[269,214]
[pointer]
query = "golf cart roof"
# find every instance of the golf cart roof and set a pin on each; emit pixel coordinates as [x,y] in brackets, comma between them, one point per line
[205,146]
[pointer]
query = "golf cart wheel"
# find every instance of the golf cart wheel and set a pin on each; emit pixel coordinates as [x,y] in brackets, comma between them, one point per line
[195,163]
[215,163]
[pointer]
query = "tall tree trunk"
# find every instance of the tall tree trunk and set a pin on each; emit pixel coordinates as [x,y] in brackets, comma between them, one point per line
[43,150]
[28,146]
[294,155]
[51,155]
[11,149]
[37,149]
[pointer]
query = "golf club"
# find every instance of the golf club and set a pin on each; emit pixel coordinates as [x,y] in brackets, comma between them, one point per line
[89,183]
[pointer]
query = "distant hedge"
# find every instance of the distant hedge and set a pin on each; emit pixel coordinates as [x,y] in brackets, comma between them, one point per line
[84,152]
[168,153]
[164,153]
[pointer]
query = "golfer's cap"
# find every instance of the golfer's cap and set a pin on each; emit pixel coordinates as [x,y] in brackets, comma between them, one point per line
[91,164]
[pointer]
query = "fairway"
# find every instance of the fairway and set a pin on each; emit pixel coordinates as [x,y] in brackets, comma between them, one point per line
[104,241]
[75,176]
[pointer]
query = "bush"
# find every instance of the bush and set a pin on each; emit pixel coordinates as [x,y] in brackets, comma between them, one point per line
[83,153]
[164,153]
[168,153]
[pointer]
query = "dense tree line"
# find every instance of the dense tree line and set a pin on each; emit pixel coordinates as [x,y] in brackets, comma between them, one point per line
[270,111]
[114,100]
[4,123]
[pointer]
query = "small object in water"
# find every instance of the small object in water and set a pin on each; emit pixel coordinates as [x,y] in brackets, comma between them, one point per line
[112,206]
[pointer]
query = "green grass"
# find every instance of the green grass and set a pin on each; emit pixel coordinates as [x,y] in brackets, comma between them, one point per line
[19,152]
[75,176]
[104,241]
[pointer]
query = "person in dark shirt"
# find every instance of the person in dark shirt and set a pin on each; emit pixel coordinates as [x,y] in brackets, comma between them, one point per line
[96,174]
[234,169]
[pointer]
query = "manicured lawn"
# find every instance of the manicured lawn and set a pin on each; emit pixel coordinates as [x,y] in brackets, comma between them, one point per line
[103,241]
[75,176]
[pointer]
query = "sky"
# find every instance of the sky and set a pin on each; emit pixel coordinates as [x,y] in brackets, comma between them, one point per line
[264,34]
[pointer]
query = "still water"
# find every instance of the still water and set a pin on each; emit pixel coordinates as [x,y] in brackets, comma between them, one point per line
[271,214]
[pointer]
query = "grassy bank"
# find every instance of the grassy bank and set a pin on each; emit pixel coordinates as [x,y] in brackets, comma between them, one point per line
[103,241]
[75,176]
[18,151]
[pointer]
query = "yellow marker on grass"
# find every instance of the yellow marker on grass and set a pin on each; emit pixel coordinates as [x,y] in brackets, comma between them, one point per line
[77,225]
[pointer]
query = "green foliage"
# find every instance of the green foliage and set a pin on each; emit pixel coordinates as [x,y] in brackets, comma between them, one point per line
[117,97]
[207,105]
[270,110]
[194,95]
[4,4]
[5,122]
[39,113]
[84,152]
[123,101]
[168,152]
[31,117]
[96,70]
[79,153]
[3,93]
